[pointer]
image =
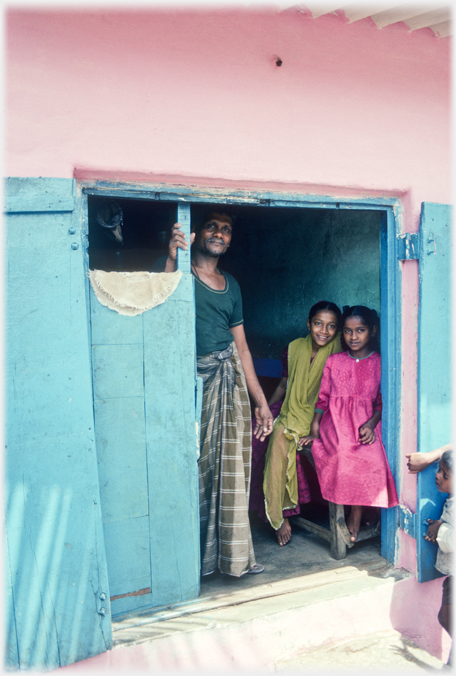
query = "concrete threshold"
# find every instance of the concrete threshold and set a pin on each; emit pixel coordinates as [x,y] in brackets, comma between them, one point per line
[253,602]
[261,627]
[268,623]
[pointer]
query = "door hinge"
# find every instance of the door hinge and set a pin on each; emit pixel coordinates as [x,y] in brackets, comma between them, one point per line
[407,246]
[407,521]
[430,244]
[102,609]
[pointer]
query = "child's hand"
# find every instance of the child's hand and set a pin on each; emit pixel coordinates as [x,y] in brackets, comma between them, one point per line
[313,434]
[416,462]
[366,434]
[432,530]
[305,441]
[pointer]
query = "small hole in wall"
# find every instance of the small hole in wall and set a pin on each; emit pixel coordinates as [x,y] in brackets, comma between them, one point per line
[279,61]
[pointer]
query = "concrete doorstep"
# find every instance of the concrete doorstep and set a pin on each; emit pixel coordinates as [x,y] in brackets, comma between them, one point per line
[338,618]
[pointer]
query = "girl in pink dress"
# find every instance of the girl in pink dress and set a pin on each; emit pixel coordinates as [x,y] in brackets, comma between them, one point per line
[350,459]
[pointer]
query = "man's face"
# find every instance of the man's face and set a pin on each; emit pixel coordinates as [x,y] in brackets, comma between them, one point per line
[214,237]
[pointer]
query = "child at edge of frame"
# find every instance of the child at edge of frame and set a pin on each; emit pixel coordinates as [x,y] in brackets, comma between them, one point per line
[440,531]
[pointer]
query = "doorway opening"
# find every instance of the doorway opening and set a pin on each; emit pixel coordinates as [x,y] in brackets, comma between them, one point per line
[285,258]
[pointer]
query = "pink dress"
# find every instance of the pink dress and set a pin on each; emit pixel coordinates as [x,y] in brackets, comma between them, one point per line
[351,473]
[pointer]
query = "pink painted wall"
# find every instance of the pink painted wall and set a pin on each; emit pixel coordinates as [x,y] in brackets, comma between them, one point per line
[196,97]
[198,94]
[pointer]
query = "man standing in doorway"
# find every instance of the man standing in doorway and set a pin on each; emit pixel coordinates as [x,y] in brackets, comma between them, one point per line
[225,364]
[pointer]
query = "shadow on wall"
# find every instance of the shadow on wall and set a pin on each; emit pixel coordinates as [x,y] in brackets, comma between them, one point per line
[52,602]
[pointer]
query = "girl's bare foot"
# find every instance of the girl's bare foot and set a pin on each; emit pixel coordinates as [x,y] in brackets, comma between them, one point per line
[283,533]
[354,521]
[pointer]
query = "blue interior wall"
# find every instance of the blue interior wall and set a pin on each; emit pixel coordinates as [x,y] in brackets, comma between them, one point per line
[287,259]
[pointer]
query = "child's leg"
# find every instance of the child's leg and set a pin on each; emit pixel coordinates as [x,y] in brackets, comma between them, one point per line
[354,521]
[277,480]
[445,610]
[444,615]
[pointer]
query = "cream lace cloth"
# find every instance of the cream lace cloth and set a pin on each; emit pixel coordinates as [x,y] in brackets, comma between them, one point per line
[132,293]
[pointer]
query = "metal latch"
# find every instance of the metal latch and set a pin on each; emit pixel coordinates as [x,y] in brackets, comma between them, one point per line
[407,521]
[407,246]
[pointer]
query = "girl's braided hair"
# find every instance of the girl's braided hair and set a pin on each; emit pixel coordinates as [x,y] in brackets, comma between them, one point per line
[368,317]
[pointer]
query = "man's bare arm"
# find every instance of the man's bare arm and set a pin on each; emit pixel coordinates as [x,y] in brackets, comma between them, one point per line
[264,419]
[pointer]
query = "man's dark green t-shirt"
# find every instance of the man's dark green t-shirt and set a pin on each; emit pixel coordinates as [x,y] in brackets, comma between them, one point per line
[216,313]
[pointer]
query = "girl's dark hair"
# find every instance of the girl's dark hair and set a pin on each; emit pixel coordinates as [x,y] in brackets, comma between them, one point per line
[368,317]
[325,305]
[447,460]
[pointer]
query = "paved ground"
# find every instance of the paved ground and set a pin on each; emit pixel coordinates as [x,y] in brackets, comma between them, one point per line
[387,652]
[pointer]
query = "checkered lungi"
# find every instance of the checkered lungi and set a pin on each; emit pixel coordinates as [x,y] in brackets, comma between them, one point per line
[224,465]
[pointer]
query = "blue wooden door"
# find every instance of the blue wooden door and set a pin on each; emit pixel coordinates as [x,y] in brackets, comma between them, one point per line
[434,367]
[144,404]
[56,597]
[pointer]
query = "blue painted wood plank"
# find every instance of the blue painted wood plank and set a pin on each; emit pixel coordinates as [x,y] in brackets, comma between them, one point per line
[11,655]
[183,257]
[42,337]
[434,367]
[111,328]
[128,573]
[121,452]
[390,335]
[121,458]
[54,528]
[53,518]
[162,192]
[38,195]
[130,604]
[172,461]
[117,371]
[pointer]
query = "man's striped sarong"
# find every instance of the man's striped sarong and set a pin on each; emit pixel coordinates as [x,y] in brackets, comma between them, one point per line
[224,465]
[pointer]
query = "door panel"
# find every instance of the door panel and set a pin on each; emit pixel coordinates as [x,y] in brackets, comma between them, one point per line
[118,386]
[144,402]
[131,573]
[172,452]
[117,371]
[121,458]
[434,367]
[55,556]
